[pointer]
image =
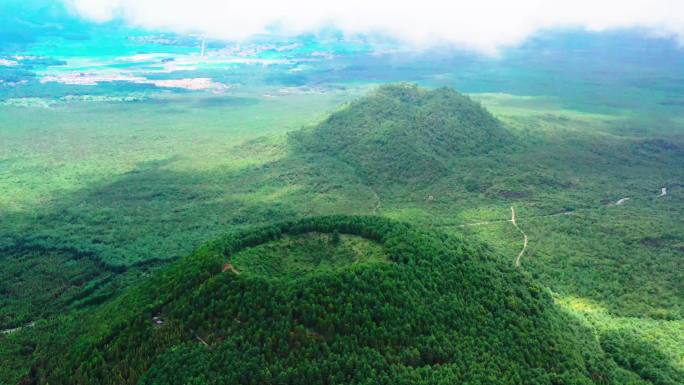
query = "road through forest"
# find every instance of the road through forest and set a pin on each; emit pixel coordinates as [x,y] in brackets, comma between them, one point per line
[620,202]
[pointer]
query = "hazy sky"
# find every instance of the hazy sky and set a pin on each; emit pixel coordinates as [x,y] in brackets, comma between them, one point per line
[483,25]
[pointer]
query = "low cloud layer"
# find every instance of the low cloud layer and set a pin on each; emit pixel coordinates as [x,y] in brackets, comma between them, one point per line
[482,25]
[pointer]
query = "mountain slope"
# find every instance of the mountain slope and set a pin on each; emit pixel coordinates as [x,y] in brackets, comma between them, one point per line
[401,133]
[398,306]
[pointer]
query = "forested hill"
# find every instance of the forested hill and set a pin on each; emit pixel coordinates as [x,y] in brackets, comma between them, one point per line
[402,133]
[331,300]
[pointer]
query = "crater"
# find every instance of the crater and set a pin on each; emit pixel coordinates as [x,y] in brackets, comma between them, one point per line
[294,256]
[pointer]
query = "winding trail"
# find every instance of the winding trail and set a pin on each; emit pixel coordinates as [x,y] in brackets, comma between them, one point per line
[621,201]
[229,267]
[14,330]
[201,340]
[508,220]
[377,201]
[663,192]
[517,259]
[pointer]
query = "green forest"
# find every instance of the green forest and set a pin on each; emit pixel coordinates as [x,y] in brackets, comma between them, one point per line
[428,314]
[373,244]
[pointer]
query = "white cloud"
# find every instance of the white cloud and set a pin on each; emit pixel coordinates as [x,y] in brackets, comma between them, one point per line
[483,25]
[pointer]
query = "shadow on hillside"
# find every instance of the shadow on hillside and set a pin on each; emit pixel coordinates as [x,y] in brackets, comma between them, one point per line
[639,356]
[145,218]
[157,213]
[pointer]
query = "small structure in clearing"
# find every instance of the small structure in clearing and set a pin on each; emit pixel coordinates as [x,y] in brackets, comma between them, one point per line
[157,320]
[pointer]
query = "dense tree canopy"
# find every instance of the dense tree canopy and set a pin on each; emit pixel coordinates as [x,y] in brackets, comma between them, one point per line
[432,158]
[402,132]
[437,310]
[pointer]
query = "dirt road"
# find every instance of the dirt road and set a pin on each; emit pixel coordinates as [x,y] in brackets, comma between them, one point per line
[517,259]
[14,330]
[621,201]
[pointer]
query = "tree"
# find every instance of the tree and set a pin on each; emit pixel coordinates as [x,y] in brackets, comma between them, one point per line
[335,238]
